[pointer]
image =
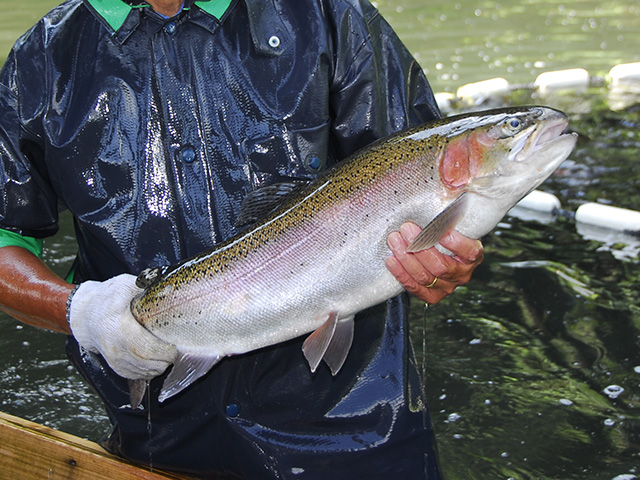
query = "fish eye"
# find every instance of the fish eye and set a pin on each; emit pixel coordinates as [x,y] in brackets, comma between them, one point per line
[512,125]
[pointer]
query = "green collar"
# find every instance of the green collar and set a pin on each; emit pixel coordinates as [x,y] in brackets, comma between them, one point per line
[115,12]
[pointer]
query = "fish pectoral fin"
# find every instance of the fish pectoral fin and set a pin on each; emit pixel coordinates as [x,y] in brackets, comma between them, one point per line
[189,367]
[441,224]
[331,343]
[339,345]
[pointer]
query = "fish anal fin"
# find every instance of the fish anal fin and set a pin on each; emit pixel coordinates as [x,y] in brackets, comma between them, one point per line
[187,369]
[339,345]
[316,344]
[439,226]
[137,388]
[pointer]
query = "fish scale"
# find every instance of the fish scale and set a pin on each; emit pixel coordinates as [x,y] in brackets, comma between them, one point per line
[319,258]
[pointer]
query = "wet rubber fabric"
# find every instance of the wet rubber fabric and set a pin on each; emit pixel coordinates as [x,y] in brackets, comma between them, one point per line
[151,131]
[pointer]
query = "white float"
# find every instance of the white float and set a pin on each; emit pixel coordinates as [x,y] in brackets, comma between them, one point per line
[571,79]
[538,206]
[540,201]
[625,74]
[606,216]
[624,86]
[477,93]
[445,101]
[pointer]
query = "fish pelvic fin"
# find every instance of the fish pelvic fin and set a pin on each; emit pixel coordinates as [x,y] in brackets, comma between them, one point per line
[441,224]
[339,345]
[189,367]
[331,343]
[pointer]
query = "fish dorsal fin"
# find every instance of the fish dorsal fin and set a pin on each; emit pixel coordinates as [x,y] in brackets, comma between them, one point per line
[330,342]
[261,202]
[441,224]
[187,369]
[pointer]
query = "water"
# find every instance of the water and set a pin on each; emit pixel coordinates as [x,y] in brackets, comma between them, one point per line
[464,41]
[533,370]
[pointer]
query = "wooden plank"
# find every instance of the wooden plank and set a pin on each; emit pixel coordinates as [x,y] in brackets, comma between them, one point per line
[32,451]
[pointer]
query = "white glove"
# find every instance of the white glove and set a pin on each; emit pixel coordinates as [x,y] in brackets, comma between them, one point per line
[101,321]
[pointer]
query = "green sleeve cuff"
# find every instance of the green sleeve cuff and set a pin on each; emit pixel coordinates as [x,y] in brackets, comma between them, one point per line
[34,245]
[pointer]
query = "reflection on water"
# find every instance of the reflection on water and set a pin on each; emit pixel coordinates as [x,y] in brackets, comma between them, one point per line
[533,369]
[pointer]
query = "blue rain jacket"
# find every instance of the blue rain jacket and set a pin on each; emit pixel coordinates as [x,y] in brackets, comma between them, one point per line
[151,131]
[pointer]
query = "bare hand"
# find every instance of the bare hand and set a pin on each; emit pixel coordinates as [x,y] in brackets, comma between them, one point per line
[418,271]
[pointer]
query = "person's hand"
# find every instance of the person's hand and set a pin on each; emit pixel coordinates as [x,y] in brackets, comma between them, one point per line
[101,321]
[429,274]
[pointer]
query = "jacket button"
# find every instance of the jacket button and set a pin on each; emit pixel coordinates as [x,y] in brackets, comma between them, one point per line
[313,162]
[188,154]
[232,410]
[170,28]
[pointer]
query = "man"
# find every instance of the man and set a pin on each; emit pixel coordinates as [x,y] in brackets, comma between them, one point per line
[150,121]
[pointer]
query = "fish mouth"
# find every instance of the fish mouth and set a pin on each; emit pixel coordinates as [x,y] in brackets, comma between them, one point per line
[551,144]
[553,128]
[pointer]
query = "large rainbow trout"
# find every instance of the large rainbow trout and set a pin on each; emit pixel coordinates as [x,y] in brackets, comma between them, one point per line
[319,257]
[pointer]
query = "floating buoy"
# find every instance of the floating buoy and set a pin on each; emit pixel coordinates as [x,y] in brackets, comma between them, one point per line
[538,206]
[624,86]
[445,101]
[540,201]
[572,79]
[606,216]
[625,74]
[479,92]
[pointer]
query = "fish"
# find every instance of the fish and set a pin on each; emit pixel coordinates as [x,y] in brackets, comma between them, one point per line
[317,256]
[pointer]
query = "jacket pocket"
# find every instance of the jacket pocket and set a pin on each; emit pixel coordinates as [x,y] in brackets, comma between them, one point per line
[287,154]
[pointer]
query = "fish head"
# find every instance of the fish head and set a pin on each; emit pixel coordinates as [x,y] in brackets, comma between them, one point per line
[500,156]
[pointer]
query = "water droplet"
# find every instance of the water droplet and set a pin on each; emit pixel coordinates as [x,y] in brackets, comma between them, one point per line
[609,422]
[565,401]
[454,417]
[625,476]
[613,391]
